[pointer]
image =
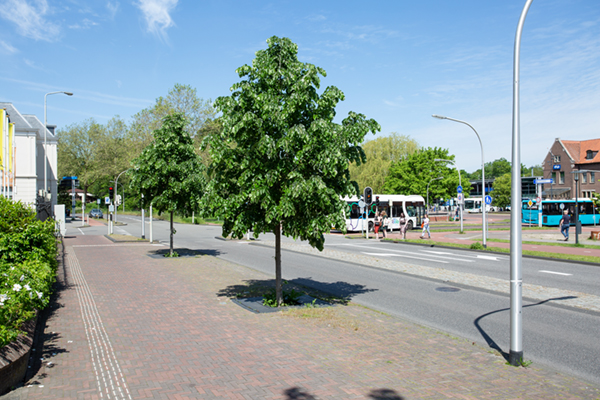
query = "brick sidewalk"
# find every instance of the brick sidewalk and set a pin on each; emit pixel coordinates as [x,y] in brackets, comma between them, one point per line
[128,325]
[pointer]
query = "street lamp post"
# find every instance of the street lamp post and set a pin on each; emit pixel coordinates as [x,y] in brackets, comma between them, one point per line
[432,179]
[117,190]
[459,184]
[45,142]
[576,177]
[483,205]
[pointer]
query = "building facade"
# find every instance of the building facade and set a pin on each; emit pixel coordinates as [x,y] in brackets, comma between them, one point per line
[574,167]
[30,157]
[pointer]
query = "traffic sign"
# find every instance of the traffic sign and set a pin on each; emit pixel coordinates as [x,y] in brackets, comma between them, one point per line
[107,200]
[459,189]
[538,200]
[460,198]
[530,203]
[361,204]
[541,181]
[98,201]
[488,200]
[562,206]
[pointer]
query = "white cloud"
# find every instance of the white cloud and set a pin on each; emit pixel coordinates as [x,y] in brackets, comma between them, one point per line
[29,18]
[85,24]
[112,8]
[156,13]
[7,48]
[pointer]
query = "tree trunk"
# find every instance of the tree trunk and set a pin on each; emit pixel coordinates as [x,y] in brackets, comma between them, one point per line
[278,289]
[171,234]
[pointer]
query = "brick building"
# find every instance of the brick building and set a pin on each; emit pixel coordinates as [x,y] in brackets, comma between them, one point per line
[565,160]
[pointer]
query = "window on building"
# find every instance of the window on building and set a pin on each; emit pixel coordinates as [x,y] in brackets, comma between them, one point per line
[553,177]
[590,154]
[592,177]
[556,159]
[584,177]
[561,180]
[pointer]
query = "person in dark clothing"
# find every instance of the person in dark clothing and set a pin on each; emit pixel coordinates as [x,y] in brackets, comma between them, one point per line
[565,222]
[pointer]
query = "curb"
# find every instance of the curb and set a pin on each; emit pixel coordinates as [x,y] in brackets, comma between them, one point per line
[14,358]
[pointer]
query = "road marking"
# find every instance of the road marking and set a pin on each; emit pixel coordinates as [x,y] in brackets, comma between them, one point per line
[439,252]
[79,229]
[406,256]
[488,258]
[555,273]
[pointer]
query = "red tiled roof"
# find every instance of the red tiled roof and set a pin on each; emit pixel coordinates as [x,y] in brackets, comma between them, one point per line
[579,149]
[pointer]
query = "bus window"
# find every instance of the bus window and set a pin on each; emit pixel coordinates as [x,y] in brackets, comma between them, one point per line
[354,213]
[411,211]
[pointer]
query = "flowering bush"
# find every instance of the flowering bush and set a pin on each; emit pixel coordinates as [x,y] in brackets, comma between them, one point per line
[27,266]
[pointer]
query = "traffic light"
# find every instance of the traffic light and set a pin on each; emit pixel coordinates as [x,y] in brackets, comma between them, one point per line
[111,193]
[377,201]
[368,196]
[118,201]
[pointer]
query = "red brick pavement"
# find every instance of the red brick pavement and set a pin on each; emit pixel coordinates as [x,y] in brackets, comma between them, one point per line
[172,337]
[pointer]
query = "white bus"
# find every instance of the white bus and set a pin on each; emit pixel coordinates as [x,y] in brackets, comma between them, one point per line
[412,206]
[473,205]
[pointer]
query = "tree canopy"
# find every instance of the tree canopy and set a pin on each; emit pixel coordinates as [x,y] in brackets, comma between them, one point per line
[280,163]
[169,172]
[413,174]
[502,190]
[380,153]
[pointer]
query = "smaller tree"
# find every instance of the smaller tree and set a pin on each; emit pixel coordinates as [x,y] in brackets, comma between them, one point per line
[169,172]
[502,190]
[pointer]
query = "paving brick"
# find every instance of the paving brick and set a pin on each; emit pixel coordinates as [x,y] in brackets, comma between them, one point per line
[132,326]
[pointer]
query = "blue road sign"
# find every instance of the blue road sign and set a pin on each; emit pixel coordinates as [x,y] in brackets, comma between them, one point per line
[540,181]
[488,200]
[459,189]
[556,167]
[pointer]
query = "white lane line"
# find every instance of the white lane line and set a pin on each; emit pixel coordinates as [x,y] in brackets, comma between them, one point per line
[488,258]
[439,252]
[79,229]
[555,273]
[406,256]
[408,253]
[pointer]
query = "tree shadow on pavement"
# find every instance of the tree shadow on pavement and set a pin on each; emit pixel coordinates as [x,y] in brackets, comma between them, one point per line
[385,394]
[185,252]
[297,394]
[336,292]
[491,343]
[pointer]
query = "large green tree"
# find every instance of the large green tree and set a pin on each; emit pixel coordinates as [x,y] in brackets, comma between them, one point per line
[169,172]
[381,153]
[412,175]
[280,163]
[502,190]
[182,99]
[93,152]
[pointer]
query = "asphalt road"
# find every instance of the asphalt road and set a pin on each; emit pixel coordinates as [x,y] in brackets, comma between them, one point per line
[561,337]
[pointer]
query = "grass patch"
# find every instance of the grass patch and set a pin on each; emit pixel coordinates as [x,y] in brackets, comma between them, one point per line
[557,256]
[327,316]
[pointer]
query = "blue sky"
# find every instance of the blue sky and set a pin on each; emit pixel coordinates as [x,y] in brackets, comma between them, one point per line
[396,61]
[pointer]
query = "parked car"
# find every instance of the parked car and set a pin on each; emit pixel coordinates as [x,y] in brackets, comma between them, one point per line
[96,213]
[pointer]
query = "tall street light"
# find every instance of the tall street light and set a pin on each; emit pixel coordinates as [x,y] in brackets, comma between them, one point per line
[459,184]
[117,190]
[483,205]
[45,143]
[432,179]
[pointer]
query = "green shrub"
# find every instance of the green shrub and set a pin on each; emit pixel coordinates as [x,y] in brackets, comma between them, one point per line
[290,298]
[476,246]
[27,266]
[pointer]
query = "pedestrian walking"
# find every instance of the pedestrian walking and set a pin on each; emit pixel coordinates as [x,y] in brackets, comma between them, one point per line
[403,225]
[386,224]
[565,222]
[377,224]
[425,225]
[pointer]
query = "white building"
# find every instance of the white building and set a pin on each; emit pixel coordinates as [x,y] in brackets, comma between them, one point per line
[30,156]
